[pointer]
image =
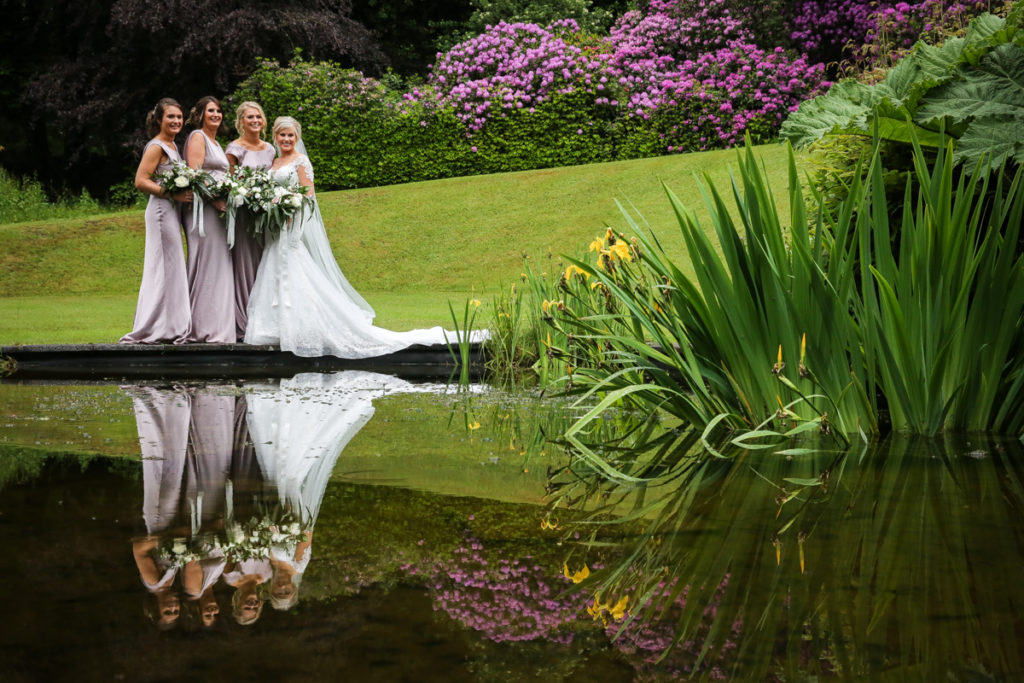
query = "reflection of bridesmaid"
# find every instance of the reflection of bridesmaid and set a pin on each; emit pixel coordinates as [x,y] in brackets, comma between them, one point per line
[162,418]
[247,576]
[187,440]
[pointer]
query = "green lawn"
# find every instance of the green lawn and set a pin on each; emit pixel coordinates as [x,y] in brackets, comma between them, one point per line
[408,248]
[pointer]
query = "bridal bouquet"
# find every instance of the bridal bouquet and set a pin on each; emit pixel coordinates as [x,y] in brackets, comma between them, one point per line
[276,526]
[271,204]
[177,551]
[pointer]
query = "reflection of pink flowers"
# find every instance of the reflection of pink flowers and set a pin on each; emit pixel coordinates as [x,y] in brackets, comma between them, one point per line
[508,599]
[505,599]
[647,638]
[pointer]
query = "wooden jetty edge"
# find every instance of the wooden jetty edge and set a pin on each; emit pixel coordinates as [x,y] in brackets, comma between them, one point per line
[210,361]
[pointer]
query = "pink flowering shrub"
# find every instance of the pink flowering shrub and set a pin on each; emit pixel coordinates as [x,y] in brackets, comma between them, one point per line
[693,75]
[825,28]
[680,29]
[513,66]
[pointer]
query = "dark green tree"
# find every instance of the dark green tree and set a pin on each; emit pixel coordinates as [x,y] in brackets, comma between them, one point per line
[86,73]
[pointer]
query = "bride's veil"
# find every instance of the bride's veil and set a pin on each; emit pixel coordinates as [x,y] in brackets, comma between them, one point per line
[314,235]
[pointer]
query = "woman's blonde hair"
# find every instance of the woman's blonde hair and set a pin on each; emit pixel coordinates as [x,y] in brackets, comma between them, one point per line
[241,618]
[282,122]
[240,113]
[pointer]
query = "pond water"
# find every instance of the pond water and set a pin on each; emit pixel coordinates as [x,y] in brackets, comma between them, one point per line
[358,524]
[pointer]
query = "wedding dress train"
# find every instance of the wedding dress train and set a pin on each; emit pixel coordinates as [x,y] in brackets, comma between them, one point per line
[303,302]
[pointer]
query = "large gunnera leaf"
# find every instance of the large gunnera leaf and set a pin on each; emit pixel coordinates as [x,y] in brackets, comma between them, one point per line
[913,87]
[989,98]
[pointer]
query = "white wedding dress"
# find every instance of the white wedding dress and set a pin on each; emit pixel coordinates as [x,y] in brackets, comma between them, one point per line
[302,301]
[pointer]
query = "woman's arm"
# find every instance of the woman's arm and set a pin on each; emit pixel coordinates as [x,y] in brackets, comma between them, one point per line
[232,159]
[144,176]
[306,178]
[195,150]
[147,167]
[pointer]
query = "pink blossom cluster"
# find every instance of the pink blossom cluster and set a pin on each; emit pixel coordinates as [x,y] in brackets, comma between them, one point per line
[689,61]
[831,25]
[513,66]
[711,101]
[677,28]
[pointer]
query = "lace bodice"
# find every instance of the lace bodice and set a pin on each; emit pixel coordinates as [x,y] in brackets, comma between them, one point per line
[289,173]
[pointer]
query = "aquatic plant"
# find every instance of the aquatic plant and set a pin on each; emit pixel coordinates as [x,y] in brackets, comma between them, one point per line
[826,324]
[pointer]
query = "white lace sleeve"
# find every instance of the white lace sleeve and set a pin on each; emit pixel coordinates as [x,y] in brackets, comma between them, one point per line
[308,167]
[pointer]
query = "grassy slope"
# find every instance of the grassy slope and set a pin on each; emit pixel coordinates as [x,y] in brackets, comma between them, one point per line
[408,248]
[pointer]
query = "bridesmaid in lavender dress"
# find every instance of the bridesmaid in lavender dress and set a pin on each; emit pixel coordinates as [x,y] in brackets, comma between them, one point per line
[210,275]
[162,313]
[252,151]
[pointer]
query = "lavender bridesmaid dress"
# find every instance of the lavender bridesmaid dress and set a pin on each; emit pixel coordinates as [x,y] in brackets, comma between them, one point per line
[211,284]
[247,252]
[162,313]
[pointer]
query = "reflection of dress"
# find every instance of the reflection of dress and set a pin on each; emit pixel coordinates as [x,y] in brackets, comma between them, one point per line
[162,313]
[302,301]
[210,276]
[211,440]
[300,429]
[162,419]
[188,441]
[246,253]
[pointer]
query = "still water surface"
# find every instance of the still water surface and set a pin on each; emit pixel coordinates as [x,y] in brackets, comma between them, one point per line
[361,526]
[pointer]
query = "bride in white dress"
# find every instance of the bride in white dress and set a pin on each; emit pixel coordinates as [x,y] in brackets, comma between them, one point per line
[301,300]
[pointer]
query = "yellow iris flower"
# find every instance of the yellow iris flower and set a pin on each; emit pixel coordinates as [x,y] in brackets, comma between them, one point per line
[620,250]
[576,576]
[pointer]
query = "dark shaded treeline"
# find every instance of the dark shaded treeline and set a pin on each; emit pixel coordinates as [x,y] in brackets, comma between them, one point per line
[76,79]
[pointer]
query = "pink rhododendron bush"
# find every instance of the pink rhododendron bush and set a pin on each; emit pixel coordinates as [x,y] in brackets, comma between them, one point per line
[672,76]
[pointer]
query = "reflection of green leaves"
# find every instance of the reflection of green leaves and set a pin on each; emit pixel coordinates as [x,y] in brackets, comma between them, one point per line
[896,566]
[802,482]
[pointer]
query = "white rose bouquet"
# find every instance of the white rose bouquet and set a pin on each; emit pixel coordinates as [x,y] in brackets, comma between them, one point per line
[271,204]
[183,177]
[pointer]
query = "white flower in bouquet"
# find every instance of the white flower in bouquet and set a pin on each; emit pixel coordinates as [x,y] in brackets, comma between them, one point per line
[179,547]
[280,191]
[295,200]
[181,181]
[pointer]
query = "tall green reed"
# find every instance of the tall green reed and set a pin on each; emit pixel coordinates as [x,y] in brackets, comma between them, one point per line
[829,323]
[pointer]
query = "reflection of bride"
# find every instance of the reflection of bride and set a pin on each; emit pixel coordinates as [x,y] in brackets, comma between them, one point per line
[299,429]
[301,300]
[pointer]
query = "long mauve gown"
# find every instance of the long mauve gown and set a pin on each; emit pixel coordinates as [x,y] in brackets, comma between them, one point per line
[247,252]
[162,313]
[211,283]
